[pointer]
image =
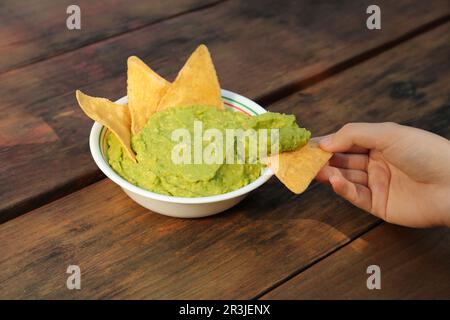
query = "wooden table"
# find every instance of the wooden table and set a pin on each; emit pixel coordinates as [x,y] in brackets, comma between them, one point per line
[315,59]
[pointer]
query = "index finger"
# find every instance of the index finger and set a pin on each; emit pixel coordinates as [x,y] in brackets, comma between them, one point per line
[351,149]
[360,136]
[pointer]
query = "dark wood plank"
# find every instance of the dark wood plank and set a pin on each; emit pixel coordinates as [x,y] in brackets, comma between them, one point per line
[35,30]
[258,48]
[125,251]
[414,264]
[409,85]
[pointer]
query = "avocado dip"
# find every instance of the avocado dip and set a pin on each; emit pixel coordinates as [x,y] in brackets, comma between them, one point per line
[155,171]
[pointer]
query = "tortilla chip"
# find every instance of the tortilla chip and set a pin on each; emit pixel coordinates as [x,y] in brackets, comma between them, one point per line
[296,169]
[145,89]
[114,116]
[196,84]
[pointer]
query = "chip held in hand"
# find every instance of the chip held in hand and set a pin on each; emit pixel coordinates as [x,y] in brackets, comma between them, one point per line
[296,169]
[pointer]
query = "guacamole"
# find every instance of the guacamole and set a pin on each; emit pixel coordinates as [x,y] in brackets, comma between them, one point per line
[154,144]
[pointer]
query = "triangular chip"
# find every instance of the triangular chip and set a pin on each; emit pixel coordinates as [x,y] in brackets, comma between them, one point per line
[114,116]
[196,83]
[145,88]
[296,169]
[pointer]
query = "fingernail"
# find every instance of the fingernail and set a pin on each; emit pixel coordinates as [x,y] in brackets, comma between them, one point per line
[325,141]
[333,179]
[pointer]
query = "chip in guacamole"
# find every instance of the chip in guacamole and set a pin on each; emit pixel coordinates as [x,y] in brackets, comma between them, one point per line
[177,139]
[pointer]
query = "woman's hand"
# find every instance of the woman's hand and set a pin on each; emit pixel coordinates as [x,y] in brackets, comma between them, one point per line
[400,174]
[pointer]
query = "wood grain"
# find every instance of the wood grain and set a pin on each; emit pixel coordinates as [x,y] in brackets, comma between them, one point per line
[414,264]
[258,47]
[409,85]
[35,30]
[124,251]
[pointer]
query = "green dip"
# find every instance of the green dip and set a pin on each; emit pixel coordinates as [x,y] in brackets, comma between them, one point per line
[155,170]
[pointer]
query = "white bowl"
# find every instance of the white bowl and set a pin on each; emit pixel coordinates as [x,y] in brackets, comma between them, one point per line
[180,207]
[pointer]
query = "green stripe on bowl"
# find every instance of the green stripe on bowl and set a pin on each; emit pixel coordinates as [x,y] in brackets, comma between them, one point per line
[241,104]
[100,141]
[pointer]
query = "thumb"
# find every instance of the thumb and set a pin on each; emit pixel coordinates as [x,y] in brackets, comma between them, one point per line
[359,137]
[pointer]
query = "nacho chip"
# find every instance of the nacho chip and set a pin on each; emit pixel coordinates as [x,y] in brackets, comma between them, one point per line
[114,116]
[196,83]
[145,88]
[296,169]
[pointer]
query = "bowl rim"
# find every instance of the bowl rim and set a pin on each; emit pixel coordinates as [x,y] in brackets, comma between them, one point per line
[104,166]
